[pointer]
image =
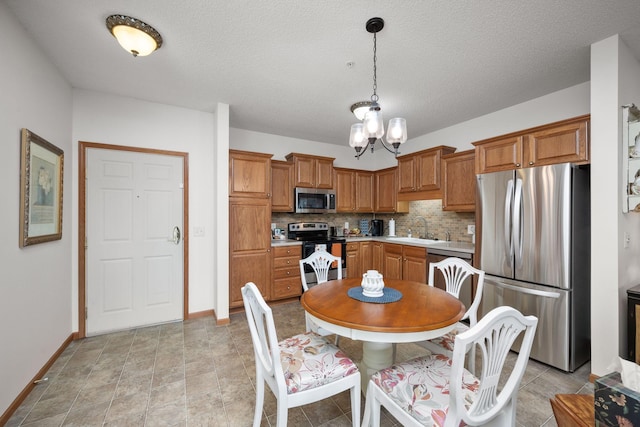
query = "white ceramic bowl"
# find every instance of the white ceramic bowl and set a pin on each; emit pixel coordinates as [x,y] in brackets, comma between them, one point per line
[372,284]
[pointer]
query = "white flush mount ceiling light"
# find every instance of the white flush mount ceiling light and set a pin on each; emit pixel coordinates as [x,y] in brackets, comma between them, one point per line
[371,128]
[136,37]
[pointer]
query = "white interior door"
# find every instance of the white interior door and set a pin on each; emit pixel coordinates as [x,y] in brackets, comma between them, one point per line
[134,248]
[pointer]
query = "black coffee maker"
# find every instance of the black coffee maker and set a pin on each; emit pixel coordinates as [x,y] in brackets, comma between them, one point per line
[377,227]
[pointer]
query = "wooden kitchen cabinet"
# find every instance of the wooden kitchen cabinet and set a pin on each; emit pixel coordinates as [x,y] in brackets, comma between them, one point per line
[353,260]
[312,171]
[419,174]
[249,174]
[281,186]
[386,192]
[364,191]
[459,182]
[345,190]
[414,263]
[366,258]
[377,255]
[286,272]
[249,246]
[359,258]
[405,262]
[354,190]
[559,142]
[392,261]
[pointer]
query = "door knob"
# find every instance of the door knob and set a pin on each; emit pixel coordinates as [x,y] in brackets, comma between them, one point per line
[175,238]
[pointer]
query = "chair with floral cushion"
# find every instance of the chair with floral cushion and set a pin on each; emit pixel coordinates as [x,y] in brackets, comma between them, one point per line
[302,369]
[456,272]
[320,262]
[435,390]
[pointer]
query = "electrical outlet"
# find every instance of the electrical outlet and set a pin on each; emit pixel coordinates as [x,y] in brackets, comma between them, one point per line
[627,239]
[471,229]
[198,231]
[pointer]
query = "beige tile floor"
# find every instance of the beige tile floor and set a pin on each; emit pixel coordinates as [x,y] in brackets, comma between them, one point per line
[195,373]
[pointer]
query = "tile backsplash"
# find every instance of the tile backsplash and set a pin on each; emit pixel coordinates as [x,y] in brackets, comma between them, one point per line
[438,221]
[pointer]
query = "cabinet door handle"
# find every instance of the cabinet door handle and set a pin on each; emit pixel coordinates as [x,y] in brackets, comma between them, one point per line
[530,163]
[517,165]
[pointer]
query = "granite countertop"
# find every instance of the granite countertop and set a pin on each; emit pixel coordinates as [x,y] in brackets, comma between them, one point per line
[433,244]
[285,242]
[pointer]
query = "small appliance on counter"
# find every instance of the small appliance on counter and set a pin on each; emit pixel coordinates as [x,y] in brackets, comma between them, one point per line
[377,227]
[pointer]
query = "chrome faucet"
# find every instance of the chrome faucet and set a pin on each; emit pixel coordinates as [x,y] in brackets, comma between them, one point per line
[425,235]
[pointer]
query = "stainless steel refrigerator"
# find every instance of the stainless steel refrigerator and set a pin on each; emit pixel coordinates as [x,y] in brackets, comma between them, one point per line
[534,247]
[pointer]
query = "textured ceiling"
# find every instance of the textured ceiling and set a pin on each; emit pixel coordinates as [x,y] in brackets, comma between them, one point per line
[281,65]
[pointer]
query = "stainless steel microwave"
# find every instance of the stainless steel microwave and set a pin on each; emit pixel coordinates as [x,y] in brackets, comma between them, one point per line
[315,200]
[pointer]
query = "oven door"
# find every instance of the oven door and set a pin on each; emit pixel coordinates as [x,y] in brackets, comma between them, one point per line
[334,248]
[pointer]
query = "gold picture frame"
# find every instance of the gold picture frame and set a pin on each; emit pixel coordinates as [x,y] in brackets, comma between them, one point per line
[41,173]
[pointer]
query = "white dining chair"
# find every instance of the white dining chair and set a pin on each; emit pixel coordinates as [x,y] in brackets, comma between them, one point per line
[436,390]
[456,272]
[320,262]
[299,370]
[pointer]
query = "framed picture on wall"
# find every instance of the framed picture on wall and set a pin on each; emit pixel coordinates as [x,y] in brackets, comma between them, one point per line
[41,172]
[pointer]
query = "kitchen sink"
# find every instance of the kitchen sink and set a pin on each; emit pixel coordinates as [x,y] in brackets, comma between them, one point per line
[412,240]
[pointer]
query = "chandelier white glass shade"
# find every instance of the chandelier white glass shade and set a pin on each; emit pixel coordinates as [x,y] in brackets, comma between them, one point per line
[136,37]
[371,128]
[359,109]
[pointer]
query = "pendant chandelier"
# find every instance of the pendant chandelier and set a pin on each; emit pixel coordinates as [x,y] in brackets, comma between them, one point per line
[371,128]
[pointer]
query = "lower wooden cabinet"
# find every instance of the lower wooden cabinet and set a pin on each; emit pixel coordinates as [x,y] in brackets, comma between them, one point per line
[286,272]
[392,264]
[405,262]
[377,255]
[354,266]
[366,258]
[414,264]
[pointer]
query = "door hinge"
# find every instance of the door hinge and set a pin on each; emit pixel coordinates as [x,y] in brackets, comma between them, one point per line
[86,313]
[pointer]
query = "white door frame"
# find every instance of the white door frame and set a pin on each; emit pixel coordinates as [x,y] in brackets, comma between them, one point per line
[82,169]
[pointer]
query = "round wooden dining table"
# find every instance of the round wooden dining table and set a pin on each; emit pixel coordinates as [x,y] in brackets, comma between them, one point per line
[424,312]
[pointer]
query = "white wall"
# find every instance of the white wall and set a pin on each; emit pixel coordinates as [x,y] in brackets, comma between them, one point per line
[560,105]
[35,290]
[116,120]
[280,146]
[614,75]
[628,265]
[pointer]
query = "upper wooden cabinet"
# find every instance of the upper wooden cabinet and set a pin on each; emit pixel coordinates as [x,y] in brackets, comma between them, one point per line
[386,192]
[459,182]
[354,190]
[249,174]
[312,171]
[559,142]
[281,186]
[420,173]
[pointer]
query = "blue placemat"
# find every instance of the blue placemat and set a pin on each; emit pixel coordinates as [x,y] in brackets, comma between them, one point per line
[389,295]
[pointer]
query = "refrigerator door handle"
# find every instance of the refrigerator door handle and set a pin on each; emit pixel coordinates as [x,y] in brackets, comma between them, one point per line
[529,291]
[517,227]
[508,237]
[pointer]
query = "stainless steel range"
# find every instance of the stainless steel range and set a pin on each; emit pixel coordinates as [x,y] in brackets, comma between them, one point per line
[315,236]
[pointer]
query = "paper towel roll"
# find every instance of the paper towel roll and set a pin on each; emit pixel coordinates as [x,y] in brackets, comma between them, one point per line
[392,227]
